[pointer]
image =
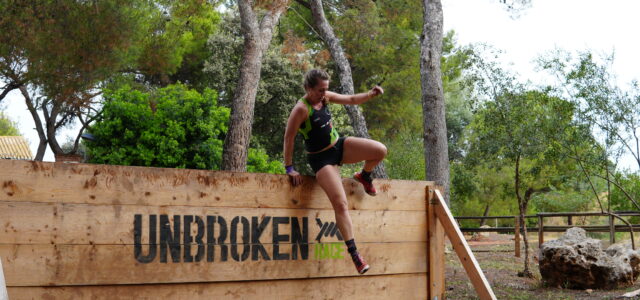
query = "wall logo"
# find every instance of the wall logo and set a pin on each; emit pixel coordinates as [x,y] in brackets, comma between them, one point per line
[190,238]
[328,250]
[329,229]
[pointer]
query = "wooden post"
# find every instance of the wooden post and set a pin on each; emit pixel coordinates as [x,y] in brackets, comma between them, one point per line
[479,281]
[435,246]
[3,286]
[569,220]
[612,230]
[540,231]
[517,235]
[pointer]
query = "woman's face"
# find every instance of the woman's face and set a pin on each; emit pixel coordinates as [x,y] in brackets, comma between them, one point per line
[316,93]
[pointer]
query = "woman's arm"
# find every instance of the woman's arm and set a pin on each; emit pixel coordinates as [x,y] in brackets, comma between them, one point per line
[297,116]
[354,99]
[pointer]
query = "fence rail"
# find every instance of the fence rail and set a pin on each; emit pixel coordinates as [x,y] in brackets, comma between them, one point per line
[611,227]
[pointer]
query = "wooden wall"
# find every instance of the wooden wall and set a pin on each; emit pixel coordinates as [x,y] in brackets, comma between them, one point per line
[79,231]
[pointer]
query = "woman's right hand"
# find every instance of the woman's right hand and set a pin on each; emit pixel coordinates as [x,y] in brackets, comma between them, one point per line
[296,178]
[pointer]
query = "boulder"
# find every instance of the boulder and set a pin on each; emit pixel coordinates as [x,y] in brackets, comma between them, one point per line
[578,262]
[485,233]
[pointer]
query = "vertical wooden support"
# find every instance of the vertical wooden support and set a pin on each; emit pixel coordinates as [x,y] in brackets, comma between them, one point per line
[569,220]
[3,286]
[516,226]
[612,230]
[451,229]
[540,231]
[435,246]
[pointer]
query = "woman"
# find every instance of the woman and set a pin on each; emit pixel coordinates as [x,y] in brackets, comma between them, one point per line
[326,150]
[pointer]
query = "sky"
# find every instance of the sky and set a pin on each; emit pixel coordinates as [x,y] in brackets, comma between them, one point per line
[600,26]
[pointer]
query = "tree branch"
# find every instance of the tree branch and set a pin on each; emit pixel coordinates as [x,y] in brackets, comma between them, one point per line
[304,3]
[8,88]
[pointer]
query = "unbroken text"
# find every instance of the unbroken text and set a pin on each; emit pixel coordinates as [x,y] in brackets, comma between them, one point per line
[217,233]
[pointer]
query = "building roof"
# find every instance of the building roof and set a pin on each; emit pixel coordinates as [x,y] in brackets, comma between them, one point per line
[15,147]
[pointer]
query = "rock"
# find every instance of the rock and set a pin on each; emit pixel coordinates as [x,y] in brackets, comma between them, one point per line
[578,262]
[485,233]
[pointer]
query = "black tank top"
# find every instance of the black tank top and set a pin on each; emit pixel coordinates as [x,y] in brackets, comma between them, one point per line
[317,129]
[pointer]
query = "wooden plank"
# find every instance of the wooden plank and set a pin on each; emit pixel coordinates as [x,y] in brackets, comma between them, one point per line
[436,282]
[461,247]
[102,184]
[405,286]
[48,265]
[49,223]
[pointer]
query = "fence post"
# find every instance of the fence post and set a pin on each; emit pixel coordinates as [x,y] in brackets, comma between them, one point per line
[540,231]
[569,220]
[612,230]
[516,226]
[3,286]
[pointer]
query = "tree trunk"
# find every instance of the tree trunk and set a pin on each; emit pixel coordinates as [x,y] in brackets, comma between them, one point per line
[522,207]
[257,38]
[486,213]
[42,145]
[50,125]
[435,128]
[344,72]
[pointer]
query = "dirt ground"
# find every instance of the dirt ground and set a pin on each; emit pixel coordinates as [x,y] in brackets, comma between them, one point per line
[495,254]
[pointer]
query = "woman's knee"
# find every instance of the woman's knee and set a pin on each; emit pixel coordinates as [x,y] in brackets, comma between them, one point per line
[380,150]
[340,205]
[383,150]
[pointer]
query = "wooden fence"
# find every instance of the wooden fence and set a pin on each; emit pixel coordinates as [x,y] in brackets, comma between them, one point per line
[540,228]
[79,231]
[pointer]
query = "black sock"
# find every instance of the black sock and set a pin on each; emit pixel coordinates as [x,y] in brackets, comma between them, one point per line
[351,247]
[366,175]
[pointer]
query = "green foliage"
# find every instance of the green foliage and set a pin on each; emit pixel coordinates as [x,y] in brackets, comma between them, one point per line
[175,48]
[7,126]
[406,149]
[172,127]
[406,157]
[456,60]
[69,46]
[630,184]
[603,106]
[481,188]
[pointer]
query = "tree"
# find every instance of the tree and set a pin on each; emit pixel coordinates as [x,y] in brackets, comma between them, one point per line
[7,126]
[60,54]
[56,54]
[523,128]
[606,111]
[175,46]
[172,127]
[433,107]
[257,37]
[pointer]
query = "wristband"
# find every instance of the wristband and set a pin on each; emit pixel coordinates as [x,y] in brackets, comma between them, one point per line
[289,169]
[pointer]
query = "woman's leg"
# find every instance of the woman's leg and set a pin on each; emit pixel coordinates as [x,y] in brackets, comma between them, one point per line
[330,181]
[372,152]
[358,149]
